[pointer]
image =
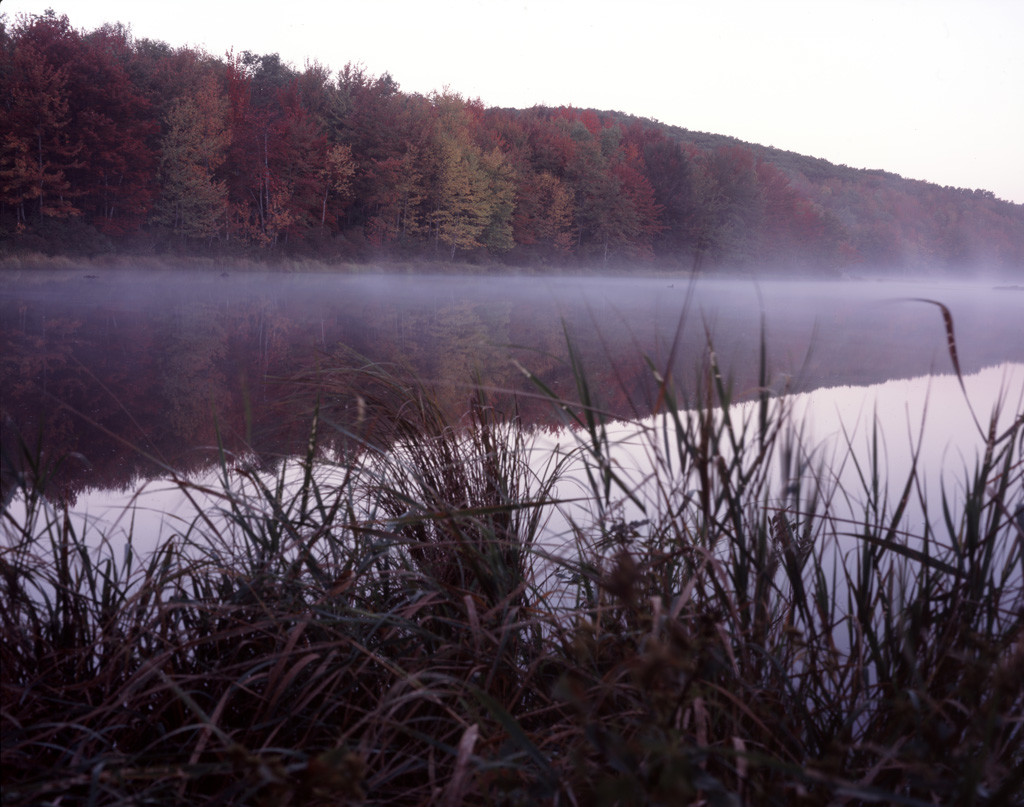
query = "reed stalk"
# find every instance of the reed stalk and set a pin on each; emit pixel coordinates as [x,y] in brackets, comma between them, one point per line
[395,624]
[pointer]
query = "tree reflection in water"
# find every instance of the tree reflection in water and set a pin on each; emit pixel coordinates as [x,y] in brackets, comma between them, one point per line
[130,374]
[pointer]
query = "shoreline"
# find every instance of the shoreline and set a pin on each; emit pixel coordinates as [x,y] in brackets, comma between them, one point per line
[35,262]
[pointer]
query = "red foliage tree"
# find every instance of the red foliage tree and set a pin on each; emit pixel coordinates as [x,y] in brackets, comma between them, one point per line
[114,175]
[37,147]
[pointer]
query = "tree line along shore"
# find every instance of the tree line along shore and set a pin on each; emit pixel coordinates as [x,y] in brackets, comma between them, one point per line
[113,145]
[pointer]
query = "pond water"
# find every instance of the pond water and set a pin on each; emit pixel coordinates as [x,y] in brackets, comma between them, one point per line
[129,375]
[928,421]
[929,428]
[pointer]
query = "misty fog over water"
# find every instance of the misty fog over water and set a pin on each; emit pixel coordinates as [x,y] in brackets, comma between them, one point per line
[123,368]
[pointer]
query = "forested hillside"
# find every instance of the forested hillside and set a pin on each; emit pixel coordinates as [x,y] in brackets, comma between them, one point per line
[110,144]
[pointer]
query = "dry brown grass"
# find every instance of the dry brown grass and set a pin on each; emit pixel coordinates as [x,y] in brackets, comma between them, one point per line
[387,633]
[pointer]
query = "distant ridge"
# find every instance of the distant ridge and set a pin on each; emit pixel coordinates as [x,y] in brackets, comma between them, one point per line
[121,146]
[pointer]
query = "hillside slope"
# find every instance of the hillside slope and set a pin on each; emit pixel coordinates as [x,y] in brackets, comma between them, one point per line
[115,145]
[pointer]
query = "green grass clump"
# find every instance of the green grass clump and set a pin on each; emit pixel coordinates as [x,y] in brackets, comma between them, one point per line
[396,625]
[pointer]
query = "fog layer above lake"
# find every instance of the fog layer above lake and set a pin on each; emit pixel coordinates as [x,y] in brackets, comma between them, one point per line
[167,363]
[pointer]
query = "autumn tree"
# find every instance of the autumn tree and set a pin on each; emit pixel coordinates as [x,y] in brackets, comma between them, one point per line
[631,171]
[552,148]
[113,175]
[675,183]
[795,228]
[102,134]
[543,214]
[391,135]
[257,211]
[472,193]
[194,200]
[497,234]
[461,206]
[277,155]
[730,205]
[615,208]
[335,180]
[326,108]
[300,163]
[38,146]
[600,219]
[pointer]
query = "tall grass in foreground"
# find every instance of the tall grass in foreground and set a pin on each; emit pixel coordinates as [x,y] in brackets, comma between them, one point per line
[396,627]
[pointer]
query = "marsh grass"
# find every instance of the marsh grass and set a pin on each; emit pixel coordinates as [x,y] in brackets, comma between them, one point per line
[395,625]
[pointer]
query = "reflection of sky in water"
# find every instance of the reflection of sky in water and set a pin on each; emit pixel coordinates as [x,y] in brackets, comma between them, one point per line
[831,418]
[834,421]
[156,511]
[927,413]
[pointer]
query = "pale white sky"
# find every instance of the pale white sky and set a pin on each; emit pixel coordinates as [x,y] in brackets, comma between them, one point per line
[930,89]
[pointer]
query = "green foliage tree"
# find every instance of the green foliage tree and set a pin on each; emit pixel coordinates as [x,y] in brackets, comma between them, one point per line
[461,204]
[194,201]
[471,193]
[497,234]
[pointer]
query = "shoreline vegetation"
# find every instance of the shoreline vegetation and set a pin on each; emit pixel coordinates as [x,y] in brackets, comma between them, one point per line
[389,624]
[114,145]
[30,262]
[24,265]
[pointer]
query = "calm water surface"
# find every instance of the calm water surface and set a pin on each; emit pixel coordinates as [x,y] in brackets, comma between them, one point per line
[927,416]
[128,374]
